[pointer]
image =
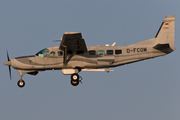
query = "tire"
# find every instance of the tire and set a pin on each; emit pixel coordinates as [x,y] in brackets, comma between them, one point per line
[74,82]
[21,83]
[75,77]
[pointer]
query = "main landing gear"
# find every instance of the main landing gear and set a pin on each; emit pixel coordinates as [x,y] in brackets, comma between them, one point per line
[21,82]
[75,79]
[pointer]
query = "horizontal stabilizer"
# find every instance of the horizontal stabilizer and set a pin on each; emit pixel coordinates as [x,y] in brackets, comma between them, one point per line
[161,46]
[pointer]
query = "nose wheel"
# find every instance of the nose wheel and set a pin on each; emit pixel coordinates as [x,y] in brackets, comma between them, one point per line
[21,83]
[75,79]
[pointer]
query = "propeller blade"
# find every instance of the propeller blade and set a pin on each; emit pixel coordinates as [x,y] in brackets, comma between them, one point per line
[8,56]
[10,72]
[9,66]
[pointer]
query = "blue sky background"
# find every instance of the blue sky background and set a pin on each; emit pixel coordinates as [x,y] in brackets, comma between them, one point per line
[147,90]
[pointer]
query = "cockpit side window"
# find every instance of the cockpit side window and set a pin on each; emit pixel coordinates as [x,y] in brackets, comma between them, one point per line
[43,52]
[52,54]
[60,53]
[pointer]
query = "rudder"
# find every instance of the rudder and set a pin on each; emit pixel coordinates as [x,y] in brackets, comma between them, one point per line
[166,32]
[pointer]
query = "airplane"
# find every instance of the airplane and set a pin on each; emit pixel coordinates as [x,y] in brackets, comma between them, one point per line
[73,56]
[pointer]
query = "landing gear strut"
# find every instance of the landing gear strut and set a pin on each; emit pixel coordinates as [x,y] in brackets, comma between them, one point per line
[21,82]
[75,79]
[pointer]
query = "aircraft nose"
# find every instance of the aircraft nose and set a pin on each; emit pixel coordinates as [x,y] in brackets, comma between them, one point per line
[8,63]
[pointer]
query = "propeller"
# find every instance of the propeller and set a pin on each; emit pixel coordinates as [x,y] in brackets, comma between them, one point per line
[9,64]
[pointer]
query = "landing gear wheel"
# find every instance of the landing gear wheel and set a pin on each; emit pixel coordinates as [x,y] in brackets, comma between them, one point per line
[74,82]
[21,83]
[75,77]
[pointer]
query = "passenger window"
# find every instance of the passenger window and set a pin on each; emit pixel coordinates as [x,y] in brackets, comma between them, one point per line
[52,54]
[80,52]
[101,52]
[109,52]
[118,51]
[60,53]
[92,52]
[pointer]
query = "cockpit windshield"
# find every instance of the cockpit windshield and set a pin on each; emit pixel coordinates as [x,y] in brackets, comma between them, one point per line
[43,52]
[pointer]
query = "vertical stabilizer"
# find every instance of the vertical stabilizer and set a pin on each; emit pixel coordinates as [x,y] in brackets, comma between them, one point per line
[166,32]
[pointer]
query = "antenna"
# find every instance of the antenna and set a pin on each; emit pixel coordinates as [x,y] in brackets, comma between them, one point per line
[165,17]
[57,40]
[113,44]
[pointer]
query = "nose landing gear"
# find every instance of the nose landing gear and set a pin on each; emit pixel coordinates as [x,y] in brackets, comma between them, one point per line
[75,79]
[21,82]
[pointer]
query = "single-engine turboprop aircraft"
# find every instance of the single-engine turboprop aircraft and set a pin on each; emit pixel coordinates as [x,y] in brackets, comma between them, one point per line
[73,56]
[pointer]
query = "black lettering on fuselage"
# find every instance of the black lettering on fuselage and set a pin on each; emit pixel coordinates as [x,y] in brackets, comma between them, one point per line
[136,50]
[128,50]
[145,49]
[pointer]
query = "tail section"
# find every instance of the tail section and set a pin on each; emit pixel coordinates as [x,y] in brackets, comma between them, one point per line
[165,35]
[164,39]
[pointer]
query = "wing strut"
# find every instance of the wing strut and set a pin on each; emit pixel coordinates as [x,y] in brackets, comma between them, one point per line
[65,55]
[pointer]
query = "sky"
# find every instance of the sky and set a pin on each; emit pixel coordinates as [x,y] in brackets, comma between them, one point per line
[146,90]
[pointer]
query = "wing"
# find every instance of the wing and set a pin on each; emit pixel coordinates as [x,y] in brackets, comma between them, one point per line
[73,41]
